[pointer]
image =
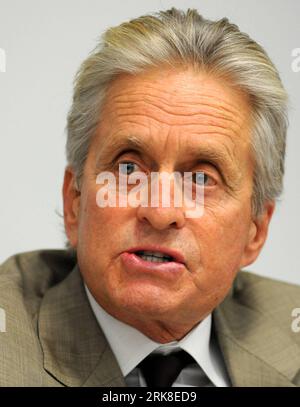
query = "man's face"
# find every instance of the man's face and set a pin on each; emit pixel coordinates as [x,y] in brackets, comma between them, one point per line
[186,122]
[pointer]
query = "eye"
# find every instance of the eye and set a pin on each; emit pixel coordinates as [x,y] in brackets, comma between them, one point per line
[202,178]
[126,168]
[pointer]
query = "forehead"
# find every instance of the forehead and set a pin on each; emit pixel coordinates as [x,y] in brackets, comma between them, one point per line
[177,92]
[181,107]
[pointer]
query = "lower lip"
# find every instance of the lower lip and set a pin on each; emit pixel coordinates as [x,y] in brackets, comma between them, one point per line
[134,263]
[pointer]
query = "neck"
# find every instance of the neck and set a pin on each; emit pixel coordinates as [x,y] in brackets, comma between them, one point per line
[157,330]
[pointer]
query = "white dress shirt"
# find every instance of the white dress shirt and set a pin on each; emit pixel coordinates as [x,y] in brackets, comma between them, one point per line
[131,346]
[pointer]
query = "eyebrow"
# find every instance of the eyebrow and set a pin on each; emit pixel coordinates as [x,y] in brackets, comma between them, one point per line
[196,153]
[130,143]
[119,147]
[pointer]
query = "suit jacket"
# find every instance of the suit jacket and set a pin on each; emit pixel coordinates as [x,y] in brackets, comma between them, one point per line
[52,337]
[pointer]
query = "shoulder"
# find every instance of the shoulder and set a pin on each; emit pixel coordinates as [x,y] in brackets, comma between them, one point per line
[262,290]
[30,274]
[255,325]
[276,300]
[24,280]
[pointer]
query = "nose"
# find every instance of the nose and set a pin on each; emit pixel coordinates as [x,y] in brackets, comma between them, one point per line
[161,218]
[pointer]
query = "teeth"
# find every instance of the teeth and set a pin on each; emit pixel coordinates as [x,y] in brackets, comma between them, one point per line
[149,253]
[156,257]
[159,259]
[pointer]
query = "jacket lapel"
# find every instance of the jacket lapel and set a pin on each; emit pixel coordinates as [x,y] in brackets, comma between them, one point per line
[256,352]
[75,350]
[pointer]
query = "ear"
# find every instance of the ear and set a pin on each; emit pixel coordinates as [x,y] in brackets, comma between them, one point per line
[258,232]
[71,203]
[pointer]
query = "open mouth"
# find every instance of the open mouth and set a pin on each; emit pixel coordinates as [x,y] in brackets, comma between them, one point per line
[156,257]
[163,262]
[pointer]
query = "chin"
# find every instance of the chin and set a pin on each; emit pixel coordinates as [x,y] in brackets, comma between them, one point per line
[147,303]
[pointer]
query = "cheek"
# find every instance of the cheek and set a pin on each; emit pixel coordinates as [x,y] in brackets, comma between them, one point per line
[99,241]
[96,224]
[222,238]
[102,232]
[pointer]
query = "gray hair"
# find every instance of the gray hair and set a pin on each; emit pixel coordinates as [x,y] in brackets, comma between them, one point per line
[171,37]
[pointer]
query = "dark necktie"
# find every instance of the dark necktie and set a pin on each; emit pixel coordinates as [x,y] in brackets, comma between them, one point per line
[162,370]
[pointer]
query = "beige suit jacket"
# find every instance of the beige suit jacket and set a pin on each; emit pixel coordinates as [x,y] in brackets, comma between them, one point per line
[52,338]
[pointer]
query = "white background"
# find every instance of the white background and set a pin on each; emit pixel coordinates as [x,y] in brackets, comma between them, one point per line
[45,41]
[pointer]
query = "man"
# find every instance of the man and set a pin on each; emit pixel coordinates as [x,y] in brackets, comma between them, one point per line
[146,295]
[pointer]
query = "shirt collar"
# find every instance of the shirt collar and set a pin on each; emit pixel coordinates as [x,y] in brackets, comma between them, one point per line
[131,346]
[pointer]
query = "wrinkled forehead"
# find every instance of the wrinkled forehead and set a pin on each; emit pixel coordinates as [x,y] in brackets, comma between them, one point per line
[182,90]
[181,107]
